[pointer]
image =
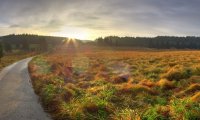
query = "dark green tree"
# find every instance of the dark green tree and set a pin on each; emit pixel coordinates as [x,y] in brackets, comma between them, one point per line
[25,45]
[159,42]
[7,47]
[1,51]
[44,44]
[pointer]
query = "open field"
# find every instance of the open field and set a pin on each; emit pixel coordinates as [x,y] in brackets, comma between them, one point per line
[94,84]
[10,58]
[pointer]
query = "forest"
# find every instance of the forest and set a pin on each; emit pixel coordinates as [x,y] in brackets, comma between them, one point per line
[29,42]
[159,42]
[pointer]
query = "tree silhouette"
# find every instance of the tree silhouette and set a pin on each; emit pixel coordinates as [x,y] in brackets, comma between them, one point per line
[26,41]
[1,51]
[159,42]
[7,47]
[44,44]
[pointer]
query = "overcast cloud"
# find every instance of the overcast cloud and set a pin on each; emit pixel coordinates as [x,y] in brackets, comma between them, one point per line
[101,17]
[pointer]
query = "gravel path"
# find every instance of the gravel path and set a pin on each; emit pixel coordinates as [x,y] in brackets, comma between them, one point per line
[17,98]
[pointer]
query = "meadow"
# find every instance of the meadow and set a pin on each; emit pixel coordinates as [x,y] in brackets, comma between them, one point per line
[15,56]
[102,84]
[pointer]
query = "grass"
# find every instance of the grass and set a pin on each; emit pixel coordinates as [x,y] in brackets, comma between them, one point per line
[118,85]
[10,58]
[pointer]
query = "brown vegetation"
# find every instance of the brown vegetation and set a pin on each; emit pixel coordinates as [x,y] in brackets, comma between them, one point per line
[118,85]
[10,58]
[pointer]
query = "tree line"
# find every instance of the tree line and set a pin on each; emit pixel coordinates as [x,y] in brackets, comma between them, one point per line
[160,42]
[29,42]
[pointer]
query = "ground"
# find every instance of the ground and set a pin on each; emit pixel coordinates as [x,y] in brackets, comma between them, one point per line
[106,84]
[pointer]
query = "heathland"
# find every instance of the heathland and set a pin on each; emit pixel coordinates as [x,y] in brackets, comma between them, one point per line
[10,58]
[104,84]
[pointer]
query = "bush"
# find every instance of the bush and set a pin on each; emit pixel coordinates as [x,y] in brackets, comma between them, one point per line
[95,111]
[121,79]
[48,93]
[196,70]
[192,88]
[156,113]
[165,84]
[177,73]
[196,97]
[161,100]
[195,79]
[135,89]
[147,83]
[67,94]
[126,114]
[185,110]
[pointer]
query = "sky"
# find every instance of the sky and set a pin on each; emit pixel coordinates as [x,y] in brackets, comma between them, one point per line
[90,19]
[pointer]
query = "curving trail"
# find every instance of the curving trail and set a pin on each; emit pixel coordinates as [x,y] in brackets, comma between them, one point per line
[17,98]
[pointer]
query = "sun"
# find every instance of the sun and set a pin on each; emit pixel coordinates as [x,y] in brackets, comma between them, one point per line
[81,36]
[75,33]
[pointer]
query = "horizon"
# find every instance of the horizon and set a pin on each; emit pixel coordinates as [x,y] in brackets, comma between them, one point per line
[103,36]
[90,19]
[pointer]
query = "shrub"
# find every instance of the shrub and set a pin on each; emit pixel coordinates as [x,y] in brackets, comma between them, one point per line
[126,114]
[164,111]
[196,97]
[95,111]
[95,90]
[84,84]
[101,74]
[121,78]
[155,113]
[184,109]
[192,88]
[161,100]
[196,70]
[195,79]
[165,84]
[48,93]
[135,89]
[43,65]
[91,108]
[107,92]
[177,73]
[66,111]
[67,94]
[152,75]
[147,83]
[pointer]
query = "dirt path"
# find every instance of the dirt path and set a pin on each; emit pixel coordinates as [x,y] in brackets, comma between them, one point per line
[17,98]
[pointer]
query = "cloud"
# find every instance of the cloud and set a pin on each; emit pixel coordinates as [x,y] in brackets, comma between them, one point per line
[102,17]
[14,26]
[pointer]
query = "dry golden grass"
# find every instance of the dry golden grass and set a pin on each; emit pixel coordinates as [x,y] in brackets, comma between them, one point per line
[193,88]
[13,57]
[196,97]
[165,84]
[100,84]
